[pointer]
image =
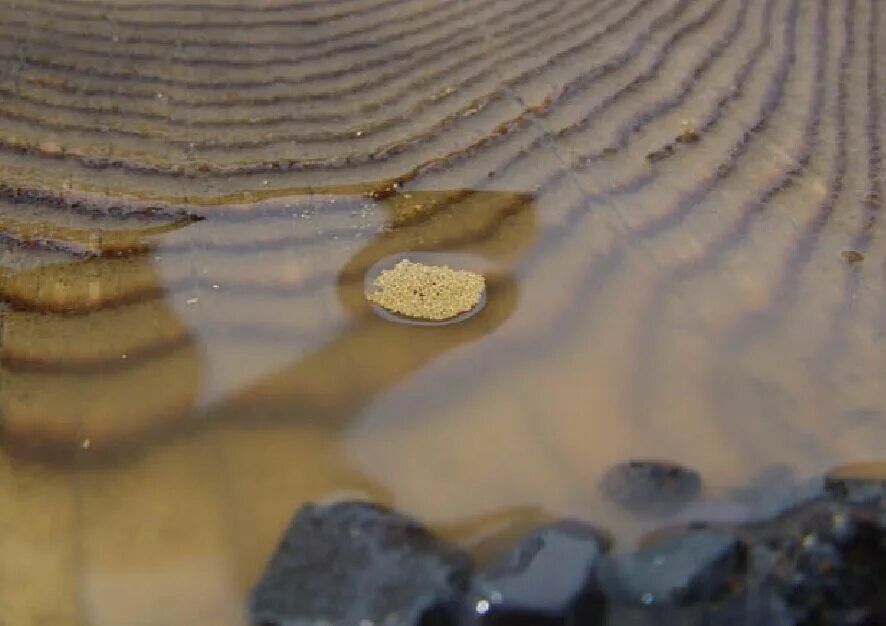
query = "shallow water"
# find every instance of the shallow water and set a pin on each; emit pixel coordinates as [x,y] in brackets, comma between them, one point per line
[188,355]
[167,408]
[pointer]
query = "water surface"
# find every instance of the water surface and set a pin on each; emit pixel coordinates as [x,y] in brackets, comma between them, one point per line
[191,198]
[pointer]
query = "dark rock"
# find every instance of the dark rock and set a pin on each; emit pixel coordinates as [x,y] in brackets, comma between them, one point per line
[821,562]
[353,563]
[753,607]
[828,563]
[651,487]
[546,579]
[749,608]
[697,566]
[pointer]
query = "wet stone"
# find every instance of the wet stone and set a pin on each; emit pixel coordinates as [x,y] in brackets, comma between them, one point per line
[755,608]
[830,564]
[651,487]
[354,563]
[697,566]
[546,579]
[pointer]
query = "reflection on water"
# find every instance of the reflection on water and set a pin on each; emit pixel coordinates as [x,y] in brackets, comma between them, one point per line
[157,378]
[681,225]
[175,384]
[259,322]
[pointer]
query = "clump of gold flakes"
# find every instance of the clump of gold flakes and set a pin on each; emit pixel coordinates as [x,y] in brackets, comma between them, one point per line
[428,292]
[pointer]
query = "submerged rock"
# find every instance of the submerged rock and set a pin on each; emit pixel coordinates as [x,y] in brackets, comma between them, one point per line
[355,563]
[827,560]
[546,579]
[757,608]
[651,487]
[695,566]
[819,563]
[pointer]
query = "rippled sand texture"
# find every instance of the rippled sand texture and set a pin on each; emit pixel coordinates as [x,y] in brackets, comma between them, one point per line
[659,193]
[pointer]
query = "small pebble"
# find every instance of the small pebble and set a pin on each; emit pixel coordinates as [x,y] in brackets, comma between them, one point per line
[651,487]
[852,256]
[688,134]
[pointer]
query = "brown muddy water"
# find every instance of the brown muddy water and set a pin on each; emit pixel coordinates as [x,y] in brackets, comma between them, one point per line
[677,208]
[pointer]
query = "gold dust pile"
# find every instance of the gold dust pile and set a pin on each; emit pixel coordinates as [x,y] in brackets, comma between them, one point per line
[427,292]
